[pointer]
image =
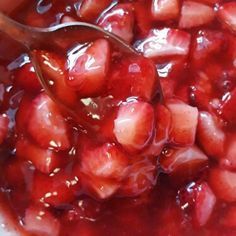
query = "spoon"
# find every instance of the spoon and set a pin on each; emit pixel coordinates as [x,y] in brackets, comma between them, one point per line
[55,38]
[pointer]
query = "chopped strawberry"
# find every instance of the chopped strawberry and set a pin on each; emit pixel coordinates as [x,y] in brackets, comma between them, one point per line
[142,178]
[53,68]
[133,126]
[87,74]
[184,122]
[198,200]
[229,218]
[91,9]
[206,44]
[204,204]
[100,188]
[195,14]
[40,221]
[44,160]
[137,77]
[120,21]
[227,15]
[165,9]
[189,160]
[4,122]
[162,130]
[27,78]
[210,135]
[106,161]
[165,42]
[227,159]
[56,189]
[228,107]
[223,183]
[46,124]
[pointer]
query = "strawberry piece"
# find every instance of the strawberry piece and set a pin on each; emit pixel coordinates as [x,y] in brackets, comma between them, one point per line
[87,74]
[165,9]
[56,189]
[120,21]
[227,159]
[195,14]
[184,122]
[53,68]
[142,178]
[106,161]
[165,42]
[27,79]
[136,75]
[44,160]
[100,188]
[4,122]
[189,160]
[133,127]
[206,44]
[227,15]
[162,130]
[40,221]
[91,9]
[204,204]
[210,135]
[46,124]
[228,106]
[223,183]
[229,218]
[198,200]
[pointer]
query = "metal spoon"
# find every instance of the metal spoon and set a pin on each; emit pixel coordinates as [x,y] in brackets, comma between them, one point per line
[56,37]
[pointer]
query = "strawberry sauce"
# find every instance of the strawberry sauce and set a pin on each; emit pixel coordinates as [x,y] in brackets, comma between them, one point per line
[131,162]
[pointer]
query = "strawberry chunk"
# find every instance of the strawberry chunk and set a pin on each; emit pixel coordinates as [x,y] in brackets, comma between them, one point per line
[165,9]
[195,14]
[87,74]
[56,189]
[184,122]
[133,127]
[4,122]
[228,106]
[136,75]
[47,125]
[142,178]
[100,188]
[40,221]
[91,9]
[44,160]
[227,159]
[210,135]
[162,130]
[189,160]
[120,21]
[106,161]
[27,78]
[227,15]
[53,68]
[165,42]
[223,183]
[8,7]
[204,204]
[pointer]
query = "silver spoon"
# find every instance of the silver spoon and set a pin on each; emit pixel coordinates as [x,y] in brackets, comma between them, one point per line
[55,38]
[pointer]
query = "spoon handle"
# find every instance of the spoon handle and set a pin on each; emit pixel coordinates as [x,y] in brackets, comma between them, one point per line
[23,34]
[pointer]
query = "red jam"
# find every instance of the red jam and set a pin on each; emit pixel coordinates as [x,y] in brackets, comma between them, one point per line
[131,162]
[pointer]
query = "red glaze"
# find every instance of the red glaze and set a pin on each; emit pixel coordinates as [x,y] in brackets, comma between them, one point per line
[130,163]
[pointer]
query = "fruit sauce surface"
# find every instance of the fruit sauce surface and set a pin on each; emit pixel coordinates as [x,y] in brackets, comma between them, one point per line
[129,163]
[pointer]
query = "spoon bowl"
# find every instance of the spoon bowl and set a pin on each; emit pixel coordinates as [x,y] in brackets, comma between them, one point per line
[61,38]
